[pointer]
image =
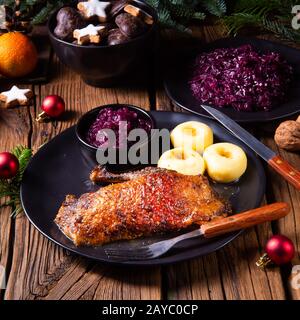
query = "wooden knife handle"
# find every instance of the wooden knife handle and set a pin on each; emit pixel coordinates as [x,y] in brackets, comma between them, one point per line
[245,219]
[287,171]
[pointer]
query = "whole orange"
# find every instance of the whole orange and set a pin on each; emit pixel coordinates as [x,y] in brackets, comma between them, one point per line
[18,55]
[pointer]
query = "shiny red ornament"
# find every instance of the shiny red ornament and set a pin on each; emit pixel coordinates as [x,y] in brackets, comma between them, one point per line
[9,165]
[53,106]
[280,249]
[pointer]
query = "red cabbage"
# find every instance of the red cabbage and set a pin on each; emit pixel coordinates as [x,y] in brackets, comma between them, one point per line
[242,78]
[110,118]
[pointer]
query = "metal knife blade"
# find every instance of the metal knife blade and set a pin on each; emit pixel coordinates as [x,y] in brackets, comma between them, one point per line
[242,134]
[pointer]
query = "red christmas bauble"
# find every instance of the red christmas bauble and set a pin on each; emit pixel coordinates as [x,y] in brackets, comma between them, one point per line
[280,249]
[9,165]
[53,106]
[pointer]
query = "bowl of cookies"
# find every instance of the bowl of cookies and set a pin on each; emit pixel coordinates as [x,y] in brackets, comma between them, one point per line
[103,41]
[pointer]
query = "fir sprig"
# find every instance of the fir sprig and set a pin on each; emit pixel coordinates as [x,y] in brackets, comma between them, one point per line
[10,188]
[22,14]
[268,15]
[177,13]
[215,7]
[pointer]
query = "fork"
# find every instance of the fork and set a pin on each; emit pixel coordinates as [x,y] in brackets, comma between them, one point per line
[211,229]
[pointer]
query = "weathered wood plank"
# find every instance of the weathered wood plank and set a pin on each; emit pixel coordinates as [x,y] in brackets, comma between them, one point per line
[6,229]
[290,225]
[195,279]
[241,277]
[42,270]
[15,129]
[125,284]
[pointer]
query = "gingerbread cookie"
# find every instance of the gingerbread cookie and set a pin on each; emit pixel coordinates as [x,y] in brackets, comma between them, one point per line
[139,13]
[129,25]
[16,97]
[94,8]
[115,36]
[68,19]
[89,34]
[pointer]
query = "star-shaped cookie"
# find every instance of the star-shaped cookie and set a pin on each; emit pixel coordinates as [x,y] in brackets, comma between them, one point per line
[92,8]
[16,97]
[89,34]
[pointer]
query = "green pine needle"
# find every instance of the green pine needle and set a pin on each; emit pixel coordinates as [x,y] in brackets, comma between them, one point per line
[8,3]
[36,11]
[268,15]
[41,16]
[237,21]
[177,14]
[273,24]
[215,7]
[10,188]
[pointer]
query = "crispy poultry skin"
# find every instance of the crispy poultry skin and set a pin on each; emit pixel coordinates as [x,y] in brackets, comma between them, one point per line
[100,174]
[152,201]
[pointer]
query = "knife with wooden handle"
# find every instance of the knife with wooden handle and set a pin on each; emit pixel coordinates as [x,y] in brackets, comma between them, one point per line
[281,166]
[245,219]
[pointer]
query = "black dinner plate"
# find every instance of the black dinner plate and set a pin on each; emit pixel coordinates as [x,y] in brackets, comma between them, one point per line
[177,81]
[58,169]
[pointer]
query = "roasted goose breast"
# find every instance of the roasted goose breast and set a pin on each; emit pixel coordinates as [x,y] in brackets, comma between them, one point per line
[151,201]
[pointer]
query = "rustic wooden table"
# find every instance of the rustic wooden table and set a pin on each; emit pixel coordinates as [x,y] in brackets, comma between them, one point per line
[39,269]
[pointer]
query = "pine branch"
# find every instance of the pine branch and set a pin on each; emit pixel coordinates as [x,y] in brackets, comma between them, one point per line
[8,3]
[238,21]
[215,7]
[167,21]
[33,11]
[177,14]
[42,16]
[24,155]
[186,14]
[270,15]
[281,30]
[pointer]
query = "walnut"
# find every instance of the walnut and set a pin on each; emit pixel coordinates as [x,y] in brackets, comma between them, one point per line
[287,135]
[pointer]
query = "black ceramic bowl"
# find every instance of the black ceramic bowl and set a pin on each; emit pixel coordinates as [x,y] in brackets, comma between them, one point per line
[105,65]
[89,151]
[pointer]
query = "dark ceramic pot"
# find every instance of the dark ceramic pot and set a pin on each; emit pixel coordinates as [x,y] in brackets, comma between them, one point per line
[89,151]
[105,65]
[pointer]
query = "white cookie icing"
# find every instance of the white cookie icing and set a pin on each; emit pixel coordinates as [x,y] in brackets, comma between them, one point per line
[95,8]
[90,30]
[16,94]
